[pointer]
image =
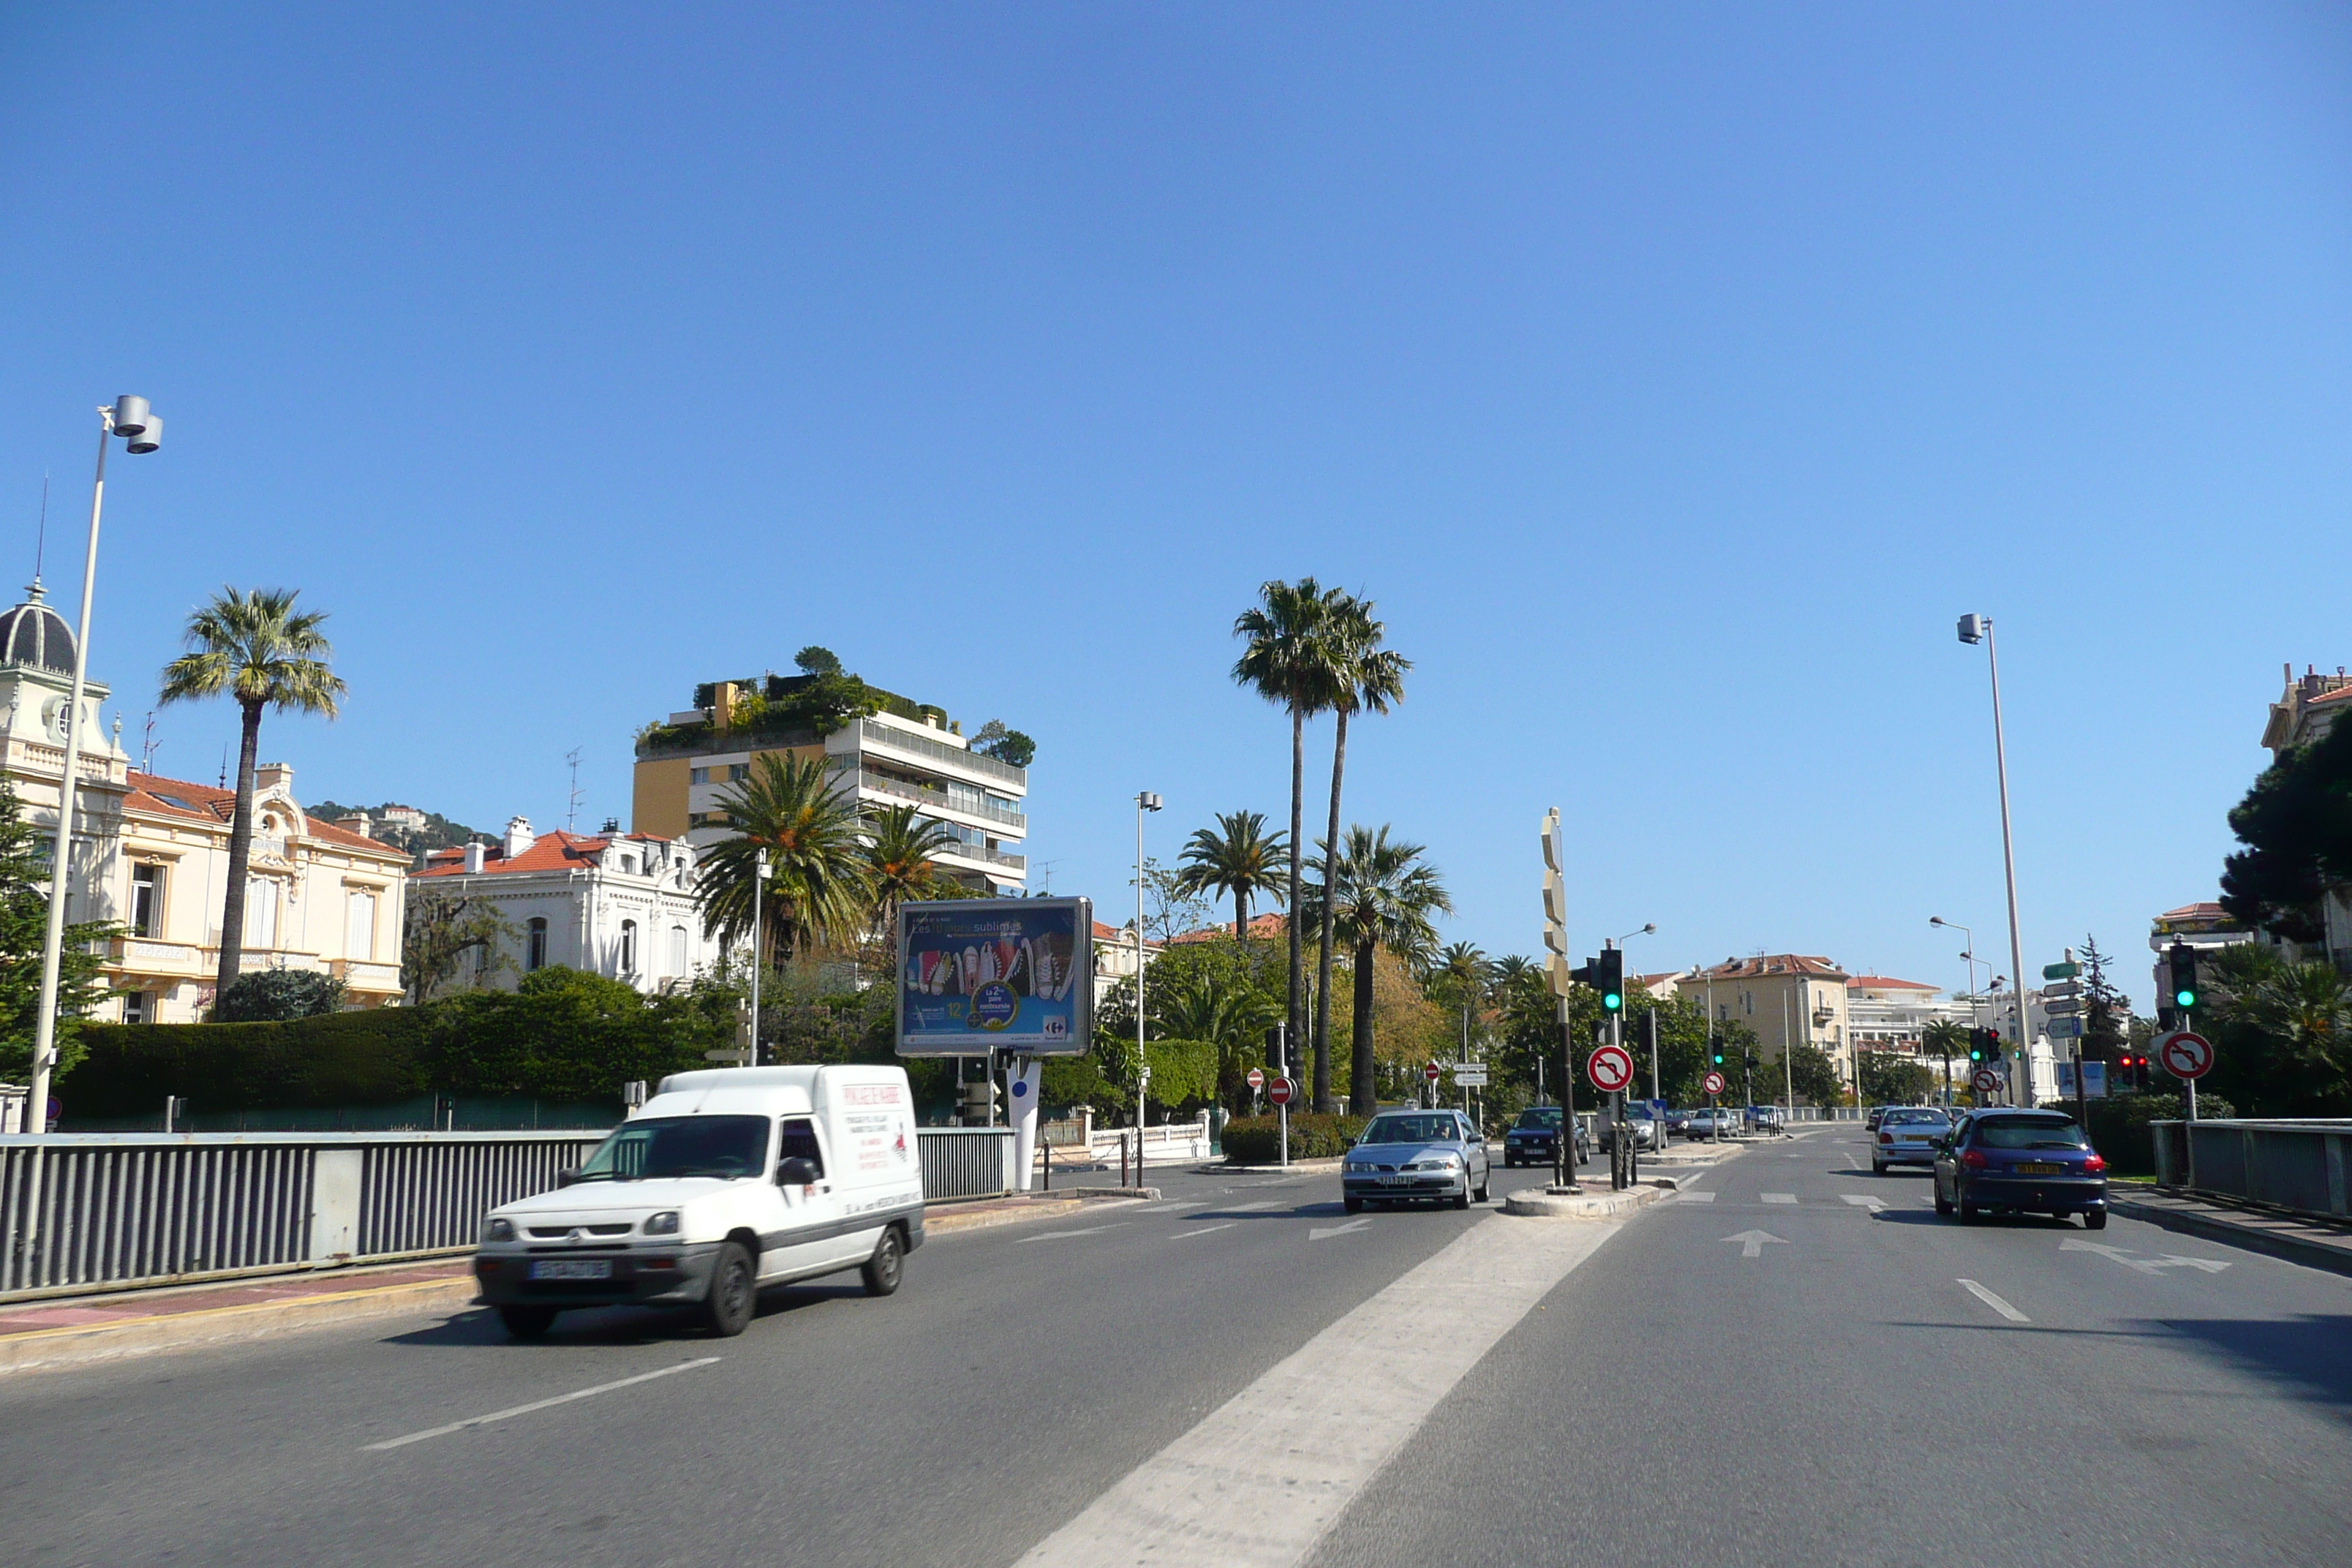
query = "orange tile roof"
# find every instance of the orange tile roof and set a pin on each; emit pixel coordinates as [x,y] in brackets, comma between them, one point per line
[1271,924]
[2194,911]
[206,804]
[1777,964]
[555,851]
[1886,983]
[1122,936]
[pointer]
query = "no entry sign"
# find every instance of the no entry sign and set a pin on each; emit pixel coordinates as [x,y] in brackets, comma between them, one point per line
[1256,1077]
[1713,1083]
[1609,1069]
[1432,1072]
[1282,1091]
[2185,1054]
[1986,1081]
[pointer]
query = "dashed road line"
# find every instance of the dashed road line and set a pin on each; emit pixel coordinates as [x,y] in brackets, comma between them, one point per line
[1995,1302]
[1065,1234]
[1204,1230]
[1778,1198]
[509,1413]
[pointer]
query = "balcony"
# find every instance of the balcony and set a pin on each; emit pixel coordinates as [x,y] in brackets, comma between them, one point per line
[938,800]
[981,856]
[149,955]
[868,734]
[360,975]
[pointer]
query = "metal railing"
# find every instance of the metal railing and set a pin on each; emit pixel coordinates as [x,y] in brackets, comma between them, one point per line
[2290,1163]
[939,799]
[86,1212]
[872,734]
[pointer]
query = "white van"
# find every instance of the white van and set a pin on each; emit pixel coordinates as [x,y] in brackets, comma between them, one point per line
[725,1182]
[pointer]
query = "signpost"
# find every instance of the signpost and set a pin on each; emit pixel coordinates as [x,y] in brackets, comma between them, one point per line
[2187,1055]
[1471,1075]
[1611,1067]
[1430,1074]
[1715,1084]
[1985,1081]
[1282,1091]
[1255,1078]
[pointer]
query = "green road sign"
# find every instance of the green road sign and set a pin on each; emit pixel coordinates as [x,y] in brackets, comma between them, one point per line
[2061,971]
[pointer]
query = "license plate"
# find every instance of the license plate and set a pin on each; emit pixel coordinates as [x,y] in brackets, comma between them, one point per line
[1394,1181]
[2038,1168]
[572,1269]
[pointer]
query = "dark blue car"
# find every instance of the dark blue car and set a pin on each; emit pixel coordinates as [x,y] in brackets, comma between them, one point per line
[2020,1162]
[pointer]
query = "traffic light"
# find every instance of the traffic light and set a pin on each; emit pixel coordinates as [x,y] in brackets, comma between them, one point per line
[982,1099]
[2181,959]
[1715,1049]
[1984,1045]
[1609,979]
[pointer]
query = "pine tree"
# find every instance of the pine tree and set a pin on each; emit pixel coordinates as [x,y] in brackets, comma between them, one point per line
[25,852]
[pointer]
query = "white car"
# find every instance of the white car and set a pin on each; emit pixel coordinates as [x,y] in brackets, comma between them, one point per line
[1907,1135]
[726,1182]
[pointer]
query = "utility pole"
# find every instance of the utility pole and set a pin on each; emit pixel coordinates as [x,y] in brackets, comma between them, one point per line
[1973,628]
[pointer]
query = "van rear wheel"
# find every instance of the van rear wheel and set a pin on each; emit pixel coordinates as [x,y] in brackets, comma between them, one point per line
[882,1271]
[527,1322]
[734,1292]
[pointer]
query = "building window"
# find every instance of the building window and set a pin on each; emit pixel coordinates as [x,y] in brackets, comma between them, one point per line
[628,947]
[628,864]
[139,1007]
[677,950]
[146,900]
[360,940]
[261,913]
[698,775]
[534,957]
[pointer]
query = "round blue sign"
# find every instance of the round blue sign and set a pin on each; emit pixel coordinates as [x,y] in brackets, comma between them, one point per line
[1020,1087]
[994,1006]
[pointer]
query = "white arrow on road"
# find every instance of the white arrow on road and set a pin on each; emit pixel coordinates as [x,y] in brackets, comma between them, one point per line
[1862,1201]
[1751,1242]
[1348,1230]
[2209,1265]
[2145,1265]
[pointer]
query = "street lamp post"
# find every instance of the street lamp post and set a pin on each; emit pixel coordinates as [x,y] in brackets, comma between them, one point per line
[1649,930]
[758,883]
[1968,956]
[1144,801]
[141,432]
[1974,629]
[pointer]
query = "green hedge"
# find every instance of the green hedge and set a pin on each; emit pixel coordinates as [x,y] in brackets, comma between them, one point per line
[1258,1140]
[335,1059]
[2118,1125]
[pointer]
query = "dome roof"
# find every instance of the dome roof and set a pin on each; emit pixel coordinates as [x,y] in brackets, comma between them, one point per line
[36,635]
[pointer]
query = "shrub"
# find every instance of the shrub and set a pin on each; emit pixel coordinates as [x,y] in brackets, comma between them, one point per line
[1258,1140]
[2118,1125]
[334,1059]
[276,995]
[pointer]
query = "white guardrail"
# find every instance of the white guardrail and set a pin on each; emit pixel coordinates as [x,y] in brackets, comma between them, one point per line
[86,1212]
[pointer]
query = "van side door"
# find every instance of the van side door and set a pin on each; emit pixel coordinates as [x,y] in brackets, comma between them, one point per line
[811,1208]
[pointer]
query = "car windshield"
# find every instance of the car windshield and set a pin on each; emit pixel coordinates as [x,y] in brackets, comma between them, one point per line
[680,1146]
[1541,1116]
[1907,1118]
[1413,1129]
[2028,1132]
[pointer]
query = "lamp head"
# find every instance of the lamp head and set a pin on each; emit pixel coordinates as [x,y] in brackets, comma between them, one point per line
[1973,628]
[1148,801]
[130,415]
[150,437]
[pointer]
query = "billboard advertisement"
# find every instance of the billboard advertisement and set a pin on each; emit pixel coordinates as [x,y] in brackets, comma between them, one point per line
[1013,975]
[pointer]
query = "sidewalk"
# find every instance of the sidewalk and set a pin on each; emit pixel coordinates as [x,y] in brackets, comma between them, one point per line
[2314,1243]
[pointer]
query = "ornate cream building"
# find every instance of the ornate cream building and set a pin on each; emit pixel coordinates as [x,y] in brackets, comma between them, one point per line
[152,853]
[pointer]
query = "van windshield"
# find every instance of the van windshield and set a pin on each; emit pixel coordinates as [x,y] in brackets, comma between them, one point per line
[657,1146]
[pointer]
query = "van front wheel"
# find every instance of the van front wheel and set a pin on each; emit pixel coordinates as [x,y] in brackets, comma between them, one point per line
[887,1265]
[734,1292]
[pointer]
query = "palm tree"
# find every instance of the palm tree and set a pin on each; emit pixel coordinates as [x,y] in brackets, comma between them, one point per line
[1946,1037]
[817,888]
[1381,895]
[898,865]
[1293,660]
[1239,863]
[1372,677]
[1205,1007]
[251,646]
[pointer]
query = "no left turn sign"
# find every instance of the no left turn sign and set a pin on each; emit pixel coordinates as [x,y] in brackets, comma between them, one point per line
[1609,1069]
[1986,1081]
[1713,1083]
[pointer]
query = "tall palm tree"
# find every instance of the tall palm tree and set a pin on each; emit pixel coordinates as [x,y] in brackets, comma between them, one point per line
[1381,894]
[899,844]
[1945,1038]
[1293,660]
[817,888]
[251,646]
[1239,862]
[1372,677]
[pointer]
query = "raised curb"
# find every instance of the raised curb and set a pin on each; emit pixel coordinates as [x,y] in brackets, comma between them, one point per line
[1296,1167]
[1534,1203]
[38,1350]
[2274,1244]
[949,1223]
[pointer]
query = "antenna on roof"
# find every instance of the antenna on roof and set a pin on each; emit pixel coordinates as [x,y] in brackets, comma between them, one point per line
[572,816]
[147,750]
[41,539]
[224,778]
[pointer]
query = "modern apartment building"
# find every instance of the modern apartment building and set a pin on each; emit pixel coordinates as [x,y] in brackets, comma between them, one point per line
[905,754]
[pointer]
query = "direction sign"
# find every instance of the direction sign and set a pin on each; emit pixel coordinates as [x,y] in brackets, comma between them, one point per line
[2065,1028]
[1610,1067]
[2185,1054]
[1282,1091]
[2061,971]
[1986,1081]
[1432,1072]
[1713,1083]
[1256,1079]
[1471,1077]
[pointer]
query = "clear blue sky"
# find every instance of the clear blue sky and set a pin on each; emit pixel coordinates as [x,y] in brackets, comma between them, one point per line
[1672,378]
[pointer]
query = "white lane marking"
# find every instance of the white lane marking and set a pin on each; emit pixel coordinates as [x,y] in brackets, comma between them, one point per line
[1187,1204]
[1693,1198]
[2145,1265]
[1751,1242]
[1312,1440]
[1778,1197]
[1065,1235]
[1995,1302]
[1353,1226]
[1862,1201]
[509,1414]
[1929,1201]
[1204,1230]
[2209,1265]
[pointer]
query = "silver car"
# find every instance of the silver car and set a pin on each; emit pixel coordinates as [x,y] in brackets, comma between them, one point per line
[1907,1135]
[1415,1156]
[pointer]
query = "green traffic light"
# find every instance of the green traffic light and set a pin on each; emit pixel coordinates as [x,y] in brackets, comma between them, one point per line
[2184,998]
[1718,1059]
[1612,1001]
[1976,1056]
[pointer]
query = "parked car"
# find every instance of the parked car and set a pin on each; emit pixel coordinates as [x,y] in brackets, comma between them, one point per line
[1644,1121]
[1678,1120]
[1877,1114]
[728,1181]
[1765,1119]
[1907,1135]
[1405,1156]
[2020,1162]
[1532,1138]
[1711,1124]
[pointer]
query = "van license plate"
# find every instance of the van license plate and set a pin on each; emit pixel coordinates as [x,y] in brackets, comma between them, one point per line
[572,1269]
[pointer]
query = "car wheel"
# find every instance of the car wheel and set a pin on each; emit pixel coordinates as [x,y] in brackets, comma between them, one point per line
[1481,1194]
[527,1322]
[2096,1220]
[1942,1204]
[1352,1204]
[734,1293]
[1878,1167]
[1461,1198]
[887,1265]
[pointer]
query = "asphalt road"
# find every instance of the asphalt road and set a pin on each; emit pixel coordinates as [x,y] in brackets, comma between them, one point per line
[1838,1397]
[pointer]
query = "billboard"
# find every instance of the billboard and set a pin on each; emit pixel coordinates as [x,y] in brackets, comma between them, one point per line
[1015,976]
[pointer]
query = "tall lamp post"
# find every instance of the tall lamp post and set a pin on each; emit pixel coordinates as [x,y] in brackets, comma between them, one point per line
[141,433]
[1974,629]
[1649,930]
[1968,957]
[1144,801]
[759,953]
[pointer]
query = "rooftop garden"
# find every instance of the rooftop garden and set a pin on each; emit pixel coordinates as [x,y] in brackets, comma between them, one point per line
[822,699]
